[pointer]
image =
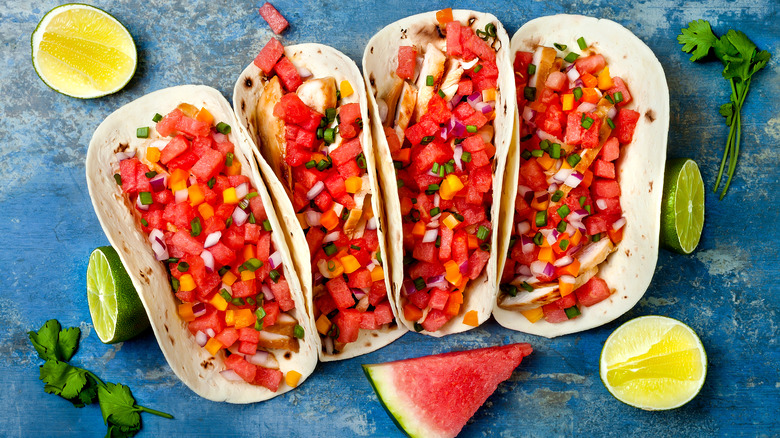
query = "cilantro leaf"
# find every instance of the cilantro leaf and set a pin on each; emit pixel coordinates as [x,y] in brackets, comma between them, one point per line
[62,379]
[118,406]
[727,111]
[697,39]
[52,343]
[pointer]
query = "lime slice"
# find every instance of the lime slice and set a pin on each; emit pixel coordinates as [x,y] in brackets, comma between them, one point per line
[653,363]
[117,312]
[82,51]
[682,210]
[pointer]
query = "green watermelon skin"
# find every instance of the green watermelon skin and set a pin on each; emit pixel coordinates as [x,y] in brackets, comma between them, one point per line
[434,396]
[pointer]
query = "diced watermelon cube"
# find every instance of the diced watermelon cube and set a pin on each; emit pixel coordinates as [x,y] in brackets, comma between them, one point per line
[233,238]
[445,248]
[202,144]
[258,209]
[599,223]
[481,178]
[418,131]
[248,348]
[346,151]
[184,241]
[453,40]
[477,262]
[243,289]
[281,291]
[349,168]
[340,293]
[288,74]
[368,321]
[296,156]
[378,293]
[177,146]
[620,86]
[348,322]
[533,175]
[604,169]
[325,304]
[274,19]
[192,127]
[224,147]
[227,337]
[435,320]
[426,252]
[349,113]
[291,109]
[479,47]
[263,245]
[360,278]
[463,111]
[407,59]
[268,378]
[184,161]
[246,370]
[592,292]
[554,315]
[465,87]
[128,173]
[335,185]
[248,334]
[625,123]
[473,143]
[574,129]
[209,164]
[383,314]
[612,206]
[605,188]
[209,320]
[251,233]
[438,298]
[426,270]
[611,149]
[438,110]
[271,313]
[590,137]
[419,299]
[266,59]
[590,64]
[167,126]
[460,248]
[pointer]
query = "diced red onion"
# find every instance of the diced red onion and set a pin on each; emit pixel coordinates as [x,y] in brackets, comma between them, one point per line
[139,205]
[601,204]
[572,73]
[210,332]
[157,239]
[544,268]
[275,259]
[258,358]
[192,180]
[240,216]
[358,293]
[545,136]
[436,199]
[220,137]
[578,83]
[537,58]
[443,133]
[586,107]
[433,223]
[526,193]
[541,196]
[432,173]
[458,129]
[408,287]
[198,309]
[317,277]
[523,270]
[159,144]
[457,155]
[125,155]
[267,294]
[208,260]
[619,223]
[528,114]
[563,261]
[338,208]
[569,229]
[332,237]
[577,214]
[382,105]
[180,195]
[313,218]
[553,188]
[316,189]
[227,288]
[486,132]
[552,236]
[231,375]
[464,267]
[528,244]
[523,227]
[327,342]
[574,179]
[573,249]
[437,281]
[201,338]
[530,279]
[474,99]
[159,182]
[430,236]
[568,279]
[371,224]
[436,219]
[212,239]
[561,175]
[242,190]
[484,108]
[612,112]
[304,72]
[467,65]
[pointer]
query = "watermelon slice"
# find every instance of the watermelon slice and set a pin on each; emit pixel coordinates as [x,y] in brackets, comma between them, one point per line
[434,396]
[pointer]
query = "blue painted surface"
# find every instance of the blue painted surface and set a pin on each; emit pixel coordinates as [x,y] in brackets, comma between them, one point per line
[727,290]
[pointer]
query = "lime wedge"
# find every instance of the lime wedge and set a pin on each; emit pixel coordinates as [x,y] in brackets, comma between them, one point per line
[682,210]
[653,363]
[81,51]
[117,312]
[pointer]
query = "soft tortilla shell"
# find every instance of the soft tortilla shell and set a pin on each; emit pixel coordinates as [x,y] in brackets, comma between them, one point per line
[191,363]
[640,169]
[379,65]
[321,61]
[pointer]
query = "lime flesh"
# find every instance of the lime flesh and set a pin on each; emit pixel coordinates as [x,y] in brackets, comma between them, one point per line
[117,312]
[682,210]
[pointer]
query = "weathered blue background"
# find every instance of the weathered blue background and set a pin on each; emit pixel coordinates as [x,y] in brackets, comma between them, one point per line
[727,290]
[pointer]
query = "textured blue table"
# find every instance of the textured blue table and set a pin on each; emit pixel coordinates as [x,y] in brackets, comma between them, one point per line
[727,290]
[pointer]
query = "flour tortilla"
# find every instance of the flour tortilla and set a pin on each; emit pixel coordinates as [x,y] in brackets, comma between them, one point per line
[322,61]
[121,223]
[380,61]
[640,168]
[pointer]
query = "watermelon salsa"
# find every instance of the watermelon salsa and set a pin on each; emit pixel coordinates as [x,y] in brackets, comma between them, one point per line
[439,127]
[207,224]
[328,181]
[568,217]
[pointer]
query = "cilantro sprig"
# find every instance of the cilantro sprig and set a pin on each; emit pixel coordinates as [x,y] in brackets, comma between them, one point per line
[741,60]
[81,387]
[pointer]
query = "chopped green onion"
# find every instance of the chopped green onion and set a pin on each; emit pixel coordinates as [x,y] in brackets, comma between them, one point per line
[563,211]
[330,249]
[361,161]
[298,332]
[400,183]
[618,97]
[260,313]
[538,238]
[229,159]
[330,135]
[466,157]
[243,204]
[229,222]
[418,327]
[429,80]
[610,123]
[432,187]
[225,294]
[275,275]
[571,57]
[252,219]
[175,284]
[490,29]
[577,93]
[458,216]
[419,283]
[196,227]
[449,167]
[414,200]
[157,117]
[587,122]
[250,301]
[435,211]
[560,47]
[223,270]
[355,247]
[587,208]
[526,154]
[555,151]
[311,164]
[211,182]
[537,153]
[541,218]
[150,174]
[408,260]
[581,43]
[379,256]
[485,247]
[482,232]
[573,159]
[509,289]
[564,244]
[531,69]
[572,312]
[144,222]
[330,114]
[438,242]
[146,198]
[582,201]
[223,128]
[183,266]
[142,132]
[544,145]
[238,301]
[435,168]
[331,265]
[477,68]
[322,165]
[557,196]
[529,93]
[527,286]
[441,172]
[267,225]
[526,137]
[441,94]
[118,179]
[398,164]
[596,237]
[561,226]
[252,264]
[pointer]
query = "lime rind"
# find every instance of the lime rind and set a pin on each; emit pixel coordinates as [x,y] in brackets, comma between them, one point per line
[682,209]
[80,80]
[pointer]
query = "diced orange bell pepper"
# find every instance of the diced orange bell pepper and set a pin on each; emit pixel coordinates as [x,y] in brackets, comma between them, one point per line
[185,311]
[589,80]
[353,184]
[196,195]
[230,317]
[229,196]
[189,110]
[450,186]
[187,283]
[213,346]
[229,278]
[444,16]
[450,221]
[419,229]
[473,241]
[589,95]
[338,268]
[452,270]
[453,306]
[564,287]
[471,318]
[247,275]
[219,302]
[533,315]
[403,155]
[406,205]
[540,205]
[329,220]
[616,236]
[234,168]
[567,102]
[489,95]
[605,80]
[378,273]
[346,88]
[490,150]
[206,211]
[350,263]
[587,179]
[546,161]
[244,318]
[546,255]
[411,312]
[576,237]
[293,377]
[572,269]
[248,252]
[557,247]
[205,116]
[323,324]
[152,154]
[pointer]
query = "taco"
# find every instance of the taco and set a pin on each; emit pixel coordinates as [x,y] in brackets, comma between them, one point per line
[442,103]
[305,106]
[588,175]
[179,197]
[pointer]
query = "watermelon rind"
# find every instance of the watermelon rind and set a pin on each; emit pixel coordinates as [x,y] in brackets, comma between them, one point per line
[381,378]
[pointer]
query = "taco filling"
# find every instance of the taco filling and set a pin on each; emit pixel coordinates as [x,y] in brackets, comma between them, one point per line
[206,222]
[568,217]
[438,120]
[310,131]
